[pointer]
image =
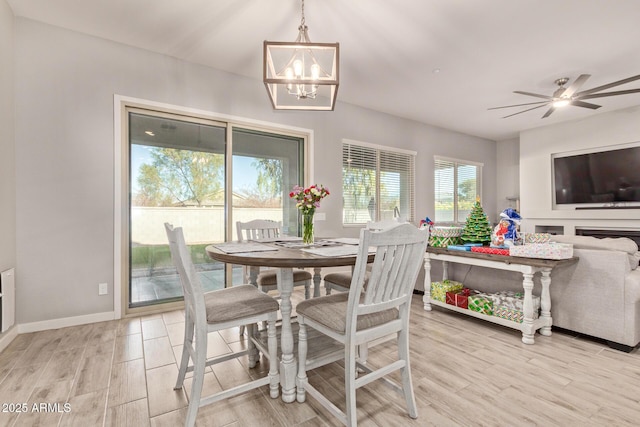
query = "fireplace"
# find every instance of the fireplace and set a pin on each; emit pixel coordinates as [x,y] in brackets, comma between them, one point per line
[600,233]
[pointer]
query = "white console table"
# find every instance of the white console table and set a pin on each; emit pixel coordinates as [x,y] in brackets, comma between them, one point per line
[527,266]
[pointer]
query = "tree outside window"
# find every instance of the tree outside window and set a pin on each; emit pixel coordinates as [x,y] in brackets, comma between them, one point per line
[377,183]
[457,185]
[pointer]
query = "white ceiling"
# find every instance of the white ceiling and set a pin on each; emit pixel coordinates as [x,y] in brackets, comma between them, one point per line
[484,49]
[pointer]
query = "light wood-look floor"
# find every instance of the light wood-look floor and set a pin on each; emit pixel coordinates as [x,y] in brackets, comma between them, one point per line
[465,372]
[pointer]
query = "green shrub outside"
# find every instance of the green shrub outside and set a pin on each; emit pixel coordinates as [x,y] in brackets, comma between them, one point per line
[159,256]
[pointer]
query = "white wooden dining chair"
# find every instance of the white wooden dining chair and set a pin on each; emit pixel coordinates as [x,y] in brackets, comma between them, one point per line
[341,281]
[266,281]
[359,317]
[207,312]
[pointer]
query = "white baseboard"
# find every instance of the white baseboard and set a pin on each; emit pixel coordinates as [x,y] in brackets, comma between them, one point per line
[64,322]
[7,336]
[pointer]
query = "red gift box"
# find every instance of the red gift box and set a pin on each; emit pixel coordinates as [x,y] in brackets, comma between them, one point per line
[462,299]
[459,298]
[450,298]
[488,250]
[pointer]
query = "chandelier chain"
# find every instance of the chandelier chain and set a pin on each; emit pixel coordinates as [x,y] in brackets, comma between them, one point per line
[302,22]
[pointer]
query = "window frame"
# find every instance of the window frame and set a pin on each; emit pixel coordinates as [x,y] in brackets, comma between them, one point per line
[379,151]
[457,163]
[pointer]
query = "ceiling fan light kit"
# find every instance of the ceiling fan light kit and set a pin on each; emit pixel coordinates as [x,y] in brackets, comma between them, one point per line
[559,103]
[301,75]
[563,97]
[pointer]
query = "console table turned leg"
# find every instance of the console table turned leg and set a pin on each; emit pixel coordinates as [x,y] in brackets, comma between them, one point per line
[528,330]
[545,302]
[426,298]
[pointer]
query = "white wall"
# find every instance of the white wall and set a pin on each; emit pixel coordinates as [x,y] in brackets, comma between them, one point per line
[7,154]
[65,84]
[536,147]
[7,143]
[507,174]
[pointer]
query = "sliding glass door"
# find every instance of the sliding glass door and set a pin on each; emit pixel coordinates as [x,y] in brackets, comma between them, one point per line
[201,175]
[265,168]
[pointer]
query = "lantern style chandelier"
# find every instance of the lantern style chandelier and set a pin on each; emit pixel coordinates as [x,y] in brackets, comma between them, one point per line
[301,75]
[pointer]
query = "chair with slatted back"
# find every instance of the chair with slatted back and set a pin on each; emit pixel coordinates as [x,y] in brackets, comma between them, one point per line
[341,281]
[357,317]
[212,311]
[261,229]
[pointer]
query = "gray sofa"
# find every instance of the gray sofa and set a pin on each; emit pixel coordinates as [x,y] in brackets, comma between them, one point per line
[599,296]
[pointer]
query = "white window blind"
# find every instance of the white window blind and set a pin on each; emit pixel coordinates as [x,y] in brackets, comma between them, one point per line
[457,185]
[377,183]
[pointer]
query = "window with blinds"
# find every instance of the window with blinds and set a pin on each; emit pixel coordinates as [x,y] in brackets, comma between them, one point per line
[457,185]
[377,183]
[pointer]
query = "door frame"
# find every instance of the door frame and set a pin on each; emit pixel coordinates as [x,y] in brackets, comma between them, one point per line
[121,183]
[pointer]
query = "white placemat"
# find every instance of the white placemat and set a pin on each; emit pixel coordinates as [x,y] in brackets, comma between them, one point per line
[345,240]
[335,251]
[299,244]
[237,247]
[279,239]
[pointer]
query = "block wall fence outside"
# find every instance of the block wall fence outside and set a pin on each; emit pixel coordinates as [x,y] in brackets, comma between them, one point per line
[205,222]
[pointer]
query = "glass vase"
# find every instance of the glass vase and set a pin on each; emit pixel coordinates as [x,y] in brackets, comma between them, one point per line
[307,228]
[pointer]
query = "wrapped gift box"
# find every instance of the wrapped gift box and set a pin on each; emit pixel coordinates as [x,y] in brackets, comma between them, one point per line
[450,298]
[509,305]
[458,248]
[510,314]
[441,237]
[488,250]
[481,302]
[543,250]
[537,237]
[460,298]
[439,289]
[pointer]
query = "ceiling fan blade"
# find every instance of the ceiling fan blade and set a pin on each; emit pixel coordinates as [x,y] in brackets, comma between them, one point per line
[524,111]
[585,104]
[602,95]
[549,111]
[577,84]
[532,94]
[607,86]
[518,105]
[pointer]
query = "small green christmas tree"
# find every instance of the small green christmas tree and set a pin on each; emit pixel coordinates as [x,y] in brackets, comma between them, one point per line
[477,228]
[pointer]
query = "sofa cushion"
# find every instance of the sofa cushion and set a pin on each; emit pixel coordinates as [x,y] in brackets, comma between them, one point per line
[622,244]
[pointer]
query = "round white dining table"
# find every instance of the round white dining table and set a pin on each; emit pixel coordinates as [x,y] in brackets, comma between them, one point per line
[285,259]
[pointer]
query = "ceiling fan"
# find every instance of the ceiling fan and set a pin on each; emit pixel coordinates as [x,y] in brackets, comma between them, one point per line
[564,96]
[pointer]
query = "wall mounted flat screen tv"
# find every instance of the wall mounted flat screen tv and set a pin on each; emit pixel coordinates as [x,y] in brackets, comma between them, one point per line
[607,178]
